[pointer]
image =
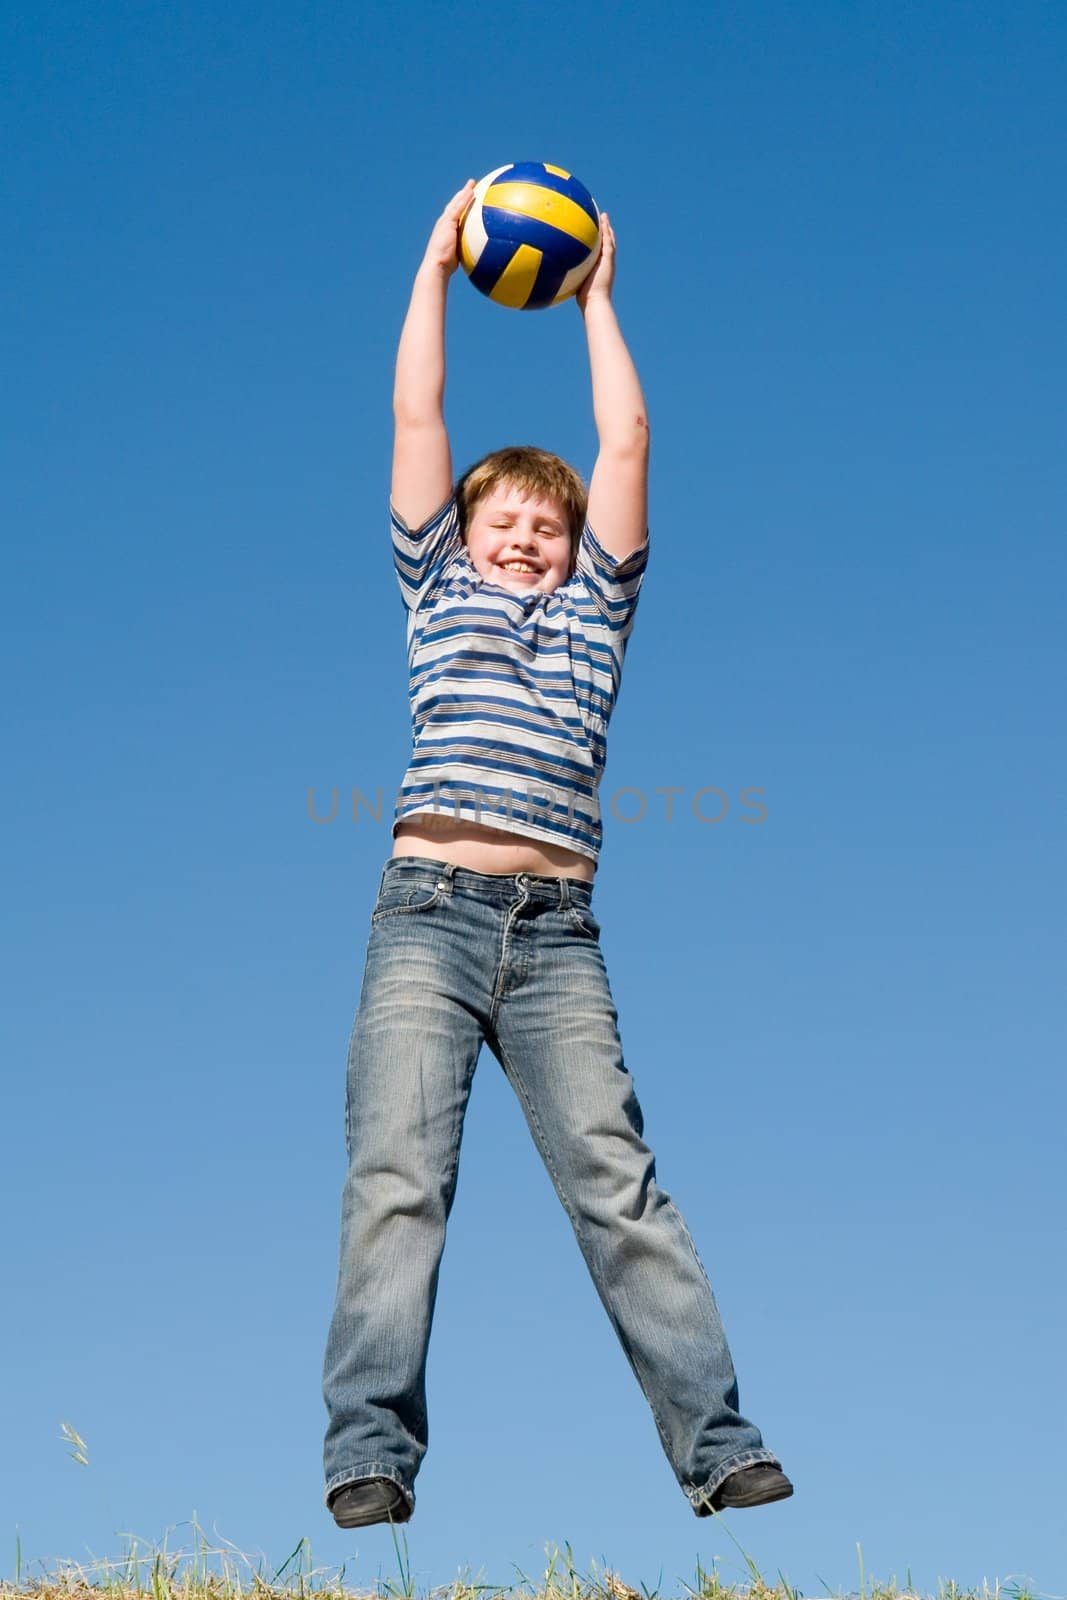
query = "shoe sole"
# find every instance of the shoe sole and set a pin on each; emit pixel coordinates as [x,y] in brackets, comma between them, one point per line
[365,1521]
[739,1502]
[397,1511]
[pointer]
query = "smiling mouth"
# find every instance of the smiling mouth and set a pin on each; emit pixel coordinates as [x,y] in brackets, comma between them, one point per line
[520,569]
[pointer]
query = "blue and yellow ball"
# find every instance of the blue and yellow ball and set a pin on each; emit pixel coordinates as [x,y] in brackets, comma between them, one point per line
[530,235]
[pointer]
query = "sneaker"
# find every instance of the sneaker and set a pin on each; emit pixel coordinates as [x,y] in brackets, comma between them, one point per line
[369,1500]
[750,1486]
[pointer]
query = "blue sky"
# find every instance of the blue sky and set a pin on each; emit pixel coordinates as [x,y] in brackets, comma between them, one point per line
[841,265]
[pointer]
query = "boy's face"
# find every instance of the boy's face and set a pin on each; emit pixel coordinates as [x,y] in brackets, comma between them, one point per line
[509,527]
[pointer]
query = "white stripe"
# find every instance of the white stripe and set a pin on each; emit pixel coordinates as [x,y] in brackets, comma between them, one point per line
[474,232]
[575,278]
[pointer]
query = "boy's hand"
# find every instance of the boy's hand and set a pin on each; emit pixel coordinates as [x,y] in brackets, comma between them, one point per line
[599,282]
[442,251]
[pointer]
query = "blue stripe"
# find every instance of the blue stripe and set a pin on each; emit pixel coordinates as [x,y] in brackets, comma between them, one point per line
[581,769]
[559,657]
[547,284]
[438,703]
[556,698]
[557,688]
[553,685]
[557,778]
[490,264]
[554,716]
[510,229]
[598,701]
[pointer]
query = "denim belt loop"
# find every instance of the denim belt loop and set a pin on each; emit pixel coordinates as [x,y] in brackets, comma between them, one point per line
[564,895]
[446,874]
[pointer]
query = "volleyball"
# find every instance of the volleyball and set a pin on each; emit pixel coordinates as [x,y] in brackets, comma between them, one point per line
[530,235]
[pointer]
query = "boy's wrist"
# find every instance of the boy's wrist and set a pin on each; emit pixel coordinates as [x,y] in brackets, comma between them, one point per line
[434,274]
[598,315]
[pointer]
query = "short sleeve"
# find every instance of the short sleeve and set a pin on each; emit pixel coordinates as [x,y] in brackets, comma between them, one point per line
[420,555]
[613,585]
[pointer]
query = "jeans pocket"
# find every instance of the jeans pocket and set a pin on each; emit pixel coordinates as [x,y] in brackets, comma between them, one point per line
[404,899]
[584,920]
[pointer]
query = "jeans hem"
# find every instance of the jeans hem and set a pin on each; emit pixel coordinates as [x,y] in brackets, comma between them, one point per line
[368,1469]
[700,1499]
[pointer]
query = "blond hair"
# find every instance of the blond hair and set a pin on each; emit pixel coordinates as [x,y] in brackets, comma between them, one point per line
[535,472]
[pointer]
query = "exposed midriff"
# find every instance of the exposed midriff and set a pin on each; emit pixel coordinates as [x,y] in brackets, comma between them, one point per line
[483,849]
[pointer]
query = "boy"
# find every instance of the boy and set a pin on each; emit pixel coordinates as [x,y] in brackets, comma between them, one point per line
[518,615]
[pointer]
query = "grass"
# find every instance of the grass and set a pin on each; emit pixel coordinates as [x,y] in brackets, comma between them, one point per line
[222,1572]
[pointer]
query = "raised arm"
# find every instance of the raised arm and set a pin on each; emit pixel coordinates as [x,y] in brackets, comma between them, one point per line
[618,488]
[422,460]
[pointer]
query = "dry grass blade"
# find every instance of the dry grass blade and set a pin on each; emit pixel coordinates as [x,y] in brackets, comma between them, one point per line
[161,1574]
[621,1591]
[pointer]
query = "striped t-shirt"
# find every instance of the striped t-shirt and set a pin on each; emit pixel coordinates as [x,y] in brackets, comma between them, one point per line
[511,691]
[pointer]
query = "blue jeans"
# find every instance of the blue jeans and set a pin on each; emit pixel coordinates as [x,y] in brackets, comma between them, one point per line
[455,958]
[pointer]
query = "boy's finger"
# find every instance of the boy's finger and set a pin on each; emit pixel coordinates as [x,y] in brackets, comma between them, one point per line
[459,199]
[459,205]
